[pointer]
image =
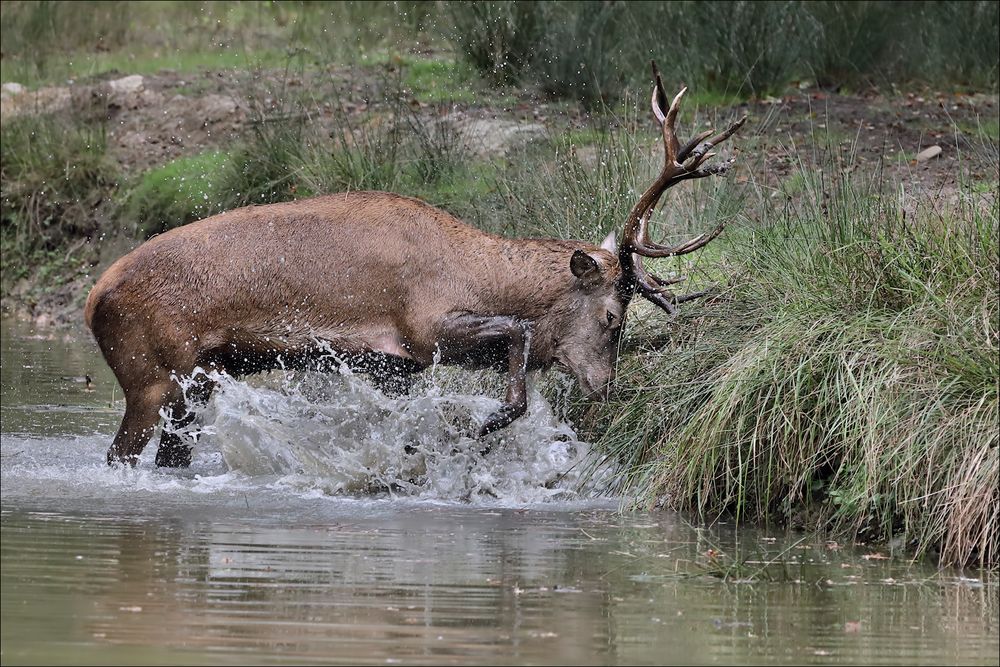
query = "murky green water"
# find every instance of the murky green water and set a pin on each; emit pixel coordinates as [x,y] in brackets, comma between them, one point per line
[228,565]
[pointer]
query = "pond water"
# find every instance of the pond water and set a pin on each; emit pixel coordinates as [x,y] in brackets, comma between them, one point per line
[324,522]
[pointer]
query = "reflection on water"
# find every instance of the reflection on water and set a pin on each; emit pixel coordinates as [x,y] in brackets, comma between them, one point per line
[42,383]
[217,565]
[373,583]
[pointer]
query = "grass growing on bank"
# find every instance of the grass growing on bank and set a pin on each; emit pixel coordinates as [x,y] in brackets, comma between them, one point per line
[54,175]
[846,378]
[843,377]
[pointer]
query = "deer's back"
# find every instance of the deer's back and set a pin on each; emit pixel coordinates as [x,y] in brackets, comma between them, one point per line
[360,263]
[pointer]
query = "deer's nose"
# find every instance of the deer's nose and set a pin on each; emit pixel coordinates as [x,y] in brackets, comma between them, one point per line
[597,388]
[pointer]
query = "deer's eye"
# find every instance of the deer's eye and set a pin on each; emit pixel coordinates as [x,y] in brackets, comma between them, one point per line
[611,318]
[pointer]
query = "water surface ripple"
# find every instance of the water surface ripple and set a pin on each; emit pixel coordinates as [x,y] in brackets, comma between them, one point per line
[265,553]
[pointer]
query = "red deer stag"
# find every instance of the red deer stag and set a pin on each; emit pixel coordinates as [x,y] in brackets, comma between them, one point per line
[388,282]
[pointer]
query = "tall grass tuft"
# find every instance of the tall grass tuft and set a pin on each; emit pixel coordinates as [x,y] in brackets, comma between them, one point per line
[594,52]
[583,193]
[53,174]
[265,168]
[583,52]
[364,154]
[954,43]
[497,36]
[744,48]
[847,378]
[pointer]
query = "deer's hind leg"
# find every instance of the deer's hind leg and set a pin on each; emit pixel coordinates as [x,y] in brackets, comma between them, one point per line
[142,413]
[173,451]
[148,377]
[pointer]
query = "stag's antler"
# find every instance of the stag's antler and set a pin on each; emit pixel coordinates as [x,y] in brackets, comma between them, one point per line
[680,164]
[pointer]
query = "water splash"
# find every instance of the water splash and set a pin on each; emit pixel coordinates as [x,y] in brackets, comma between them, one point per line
[335,434]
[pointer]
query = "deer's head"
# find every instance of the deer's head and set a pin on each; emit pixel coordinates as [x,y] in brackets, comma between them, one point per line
[608,277]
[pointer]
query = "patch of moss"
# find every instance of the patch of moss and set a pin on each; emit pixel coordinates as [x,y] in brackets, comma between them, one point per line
[437,81]
[179,192]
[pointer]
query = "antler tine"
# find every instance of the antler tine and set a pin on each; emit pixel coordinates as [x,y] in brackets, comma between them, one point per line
[699,150]
[690,297]
[652,287]
[690,146]
[671,145]
[659,95]
[651,249]
[640,242]
[633,234]
[695,243]
[680,163]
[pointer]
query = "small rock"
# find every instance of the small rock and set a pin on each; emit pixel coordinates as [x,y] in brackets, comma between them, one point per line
[928,153]
[127,85]
[126,93]
[11,88]
[485,136]
[215,108]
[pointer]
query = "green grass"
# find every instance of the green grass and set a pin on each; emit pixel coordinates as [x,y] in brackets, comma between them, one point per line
[985,129]
[180,61]
[847,378]
[86,65]
[54,175]
[49,42]
[588,136]
[179,192]
[463,191]
[442,81]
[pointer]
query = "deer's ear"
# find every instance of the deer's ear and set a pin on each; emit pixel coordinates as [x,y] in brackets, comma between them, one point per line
[610,243]
[585,268]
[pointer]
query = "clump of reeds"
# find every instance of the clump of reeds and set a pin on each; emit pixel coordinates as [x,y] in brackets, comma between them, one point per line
[846,377]
[594,52]
[54,172]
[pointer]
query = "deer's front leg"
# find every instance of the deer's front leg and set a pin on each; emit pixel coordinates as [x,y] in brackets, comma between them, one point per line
[467,336]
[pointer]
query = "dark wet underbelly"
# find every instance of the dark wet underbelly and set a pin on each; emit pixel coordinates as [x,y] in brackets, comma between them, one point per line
[238,362]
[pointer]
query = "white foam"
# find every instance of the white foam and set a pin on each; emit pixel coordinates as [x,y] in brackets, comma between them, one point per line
[312,435]
[338,433]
